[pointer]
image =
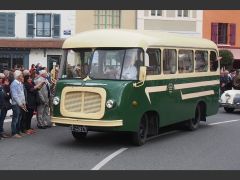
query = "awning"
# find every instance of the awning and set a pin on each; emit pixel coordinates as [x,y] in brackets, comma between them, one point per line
[31,43]
[235,52]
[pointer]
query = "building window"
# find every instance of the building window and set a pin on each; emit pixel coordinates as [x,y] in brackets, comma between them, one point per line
[223,33]
[47,25]
[183,13]
[105,19]
[156,12]
[43,25]
[7,24]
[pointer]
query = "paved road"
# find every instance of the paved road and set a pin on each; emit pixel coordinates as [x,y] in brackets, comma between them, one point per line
[213,146]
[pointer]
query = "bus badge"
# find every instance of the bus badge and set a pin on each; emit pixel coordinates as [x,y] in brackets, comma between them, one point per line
[170,87]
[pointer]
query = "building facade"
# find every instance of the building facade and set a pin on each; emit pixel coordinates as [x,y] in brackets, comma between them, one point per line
[31,36]
[105,19]
[186,22]
[222,27]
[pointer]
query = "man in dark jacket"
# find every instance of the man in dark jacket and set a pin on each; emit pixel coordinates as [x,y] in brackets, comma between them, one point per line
[5,105]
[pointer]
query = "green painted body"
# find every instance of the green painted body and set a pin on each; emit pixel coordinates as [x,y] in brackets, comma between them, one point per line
[168,105]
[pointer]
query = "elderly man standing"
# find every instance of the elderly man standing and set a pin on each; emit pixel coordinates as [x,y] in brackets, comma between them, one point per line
[18,102]
[43,118]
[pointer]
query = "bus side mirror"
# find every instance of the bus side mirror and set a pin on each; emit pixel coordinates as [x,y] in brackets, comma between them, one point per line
[142,76]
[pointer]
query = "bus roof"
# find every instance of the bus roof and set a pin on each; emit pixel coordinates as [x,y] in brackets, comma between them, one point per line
[133,38]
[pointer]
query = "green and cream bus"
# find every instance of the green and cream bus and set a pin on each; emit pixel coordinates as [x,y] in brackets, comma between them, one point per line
[135,81]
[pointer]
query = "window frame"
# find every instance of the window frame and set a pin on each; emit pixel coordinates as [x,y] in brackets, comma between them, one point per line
[159,61]
[192,61]
[105,19]
[176,60]
[43,29]
[7,26]
[195,62]
[155,14]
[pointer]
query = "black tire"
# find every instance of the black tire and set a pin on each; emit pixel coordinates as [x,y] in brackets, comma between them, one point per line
[79,135]
[228,110]
[140,137]
[193,123]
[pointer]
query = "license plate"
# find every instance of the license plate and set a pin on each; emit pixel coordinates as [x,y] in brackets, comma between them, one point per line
[79,128]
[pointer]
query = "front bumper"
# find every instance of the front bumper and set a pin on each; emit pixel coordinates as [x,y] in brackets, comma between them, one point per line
[87,122]
[236,106]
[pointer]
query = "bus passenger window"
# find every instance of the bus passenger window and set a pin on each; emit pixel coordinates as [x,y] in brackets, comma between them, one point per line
[169,61]
[185,61]
[201,59]
[213,61]
[154,62]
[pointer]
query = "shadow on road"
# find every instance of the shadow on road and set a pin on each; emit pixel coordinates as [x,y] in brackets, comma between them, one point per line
[104,140]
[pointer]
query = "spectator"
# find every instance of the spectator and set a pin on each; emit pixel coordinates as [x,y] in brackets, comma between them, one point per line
[236,80]
[32,93]
[18,102]
[5,105]
[43,118]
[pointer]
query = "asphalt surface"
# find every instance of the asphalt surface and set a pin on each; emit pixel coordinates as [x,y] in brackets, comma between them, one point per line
[211,147]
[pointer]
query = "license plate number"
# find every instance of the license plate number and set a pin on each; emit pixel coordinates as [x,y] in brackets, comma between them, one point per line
[79,128]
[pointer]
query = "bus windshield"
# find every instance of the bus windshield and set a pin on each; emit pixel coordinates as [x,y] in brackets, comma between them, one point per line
[115,64]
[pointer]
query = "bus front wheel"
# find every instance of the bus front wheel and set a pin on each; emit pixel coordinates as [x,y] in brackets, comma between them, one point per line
[79,135]
[139,137]
[193,123]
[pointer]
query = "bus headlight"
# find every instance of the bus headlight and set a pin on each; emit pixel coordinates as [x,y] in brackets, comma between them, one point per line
[110,103]
[56,100]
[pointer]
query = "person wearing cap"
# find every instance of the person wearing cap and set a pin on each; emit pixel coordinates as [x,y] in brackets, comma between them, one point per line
[43,118]
[18,103]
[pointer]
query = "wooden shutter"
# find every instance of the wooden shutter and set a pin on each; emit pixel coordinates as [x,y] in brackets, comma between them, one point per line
[3,24]
[30,24]
[214,32]
[56,25]
[11,24]
[232,34]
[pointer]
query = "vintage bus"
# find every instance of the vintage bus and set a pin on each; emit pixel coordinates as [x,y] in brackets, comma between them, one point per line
[135,81]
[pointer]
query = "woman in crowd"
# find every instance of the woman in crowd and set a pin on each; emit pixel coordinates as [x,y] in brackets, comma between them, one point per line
[31,99]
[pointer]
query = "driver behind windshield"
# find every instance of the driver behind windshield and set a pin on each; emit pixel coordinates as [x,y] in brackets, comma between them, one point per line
[129,71]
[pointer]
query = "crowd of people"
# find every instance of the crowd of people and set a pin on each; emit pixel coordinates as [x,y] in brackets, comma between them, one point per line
[229,80]
[26,92]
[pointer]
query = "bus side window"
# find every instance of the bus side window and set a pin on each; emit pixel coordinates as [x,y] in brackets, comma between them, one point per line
[201,59]
[213,61]
[154,62]
[169,61]
[185,61]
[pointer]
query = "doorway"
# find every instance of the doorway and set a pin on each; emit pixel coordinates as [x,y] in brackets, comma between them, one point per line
[53,60]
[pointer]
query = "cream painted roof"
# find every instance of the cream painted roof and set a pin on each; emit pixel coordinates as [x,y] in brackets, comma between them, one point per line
[133,38]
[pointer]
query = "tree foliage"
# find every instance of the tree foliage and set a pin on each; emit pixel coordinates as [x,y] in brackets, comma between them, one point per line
[227,59]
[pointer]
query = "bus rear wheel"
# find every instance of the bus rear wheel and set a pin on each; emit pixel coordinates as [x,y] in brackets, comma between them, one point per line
[228,110]
[193,123]
[79,135]
[140,137]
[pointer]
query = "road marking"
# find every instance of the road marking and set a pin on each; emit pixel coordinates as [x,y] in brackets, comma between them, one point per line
[107,159]
[224,122]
